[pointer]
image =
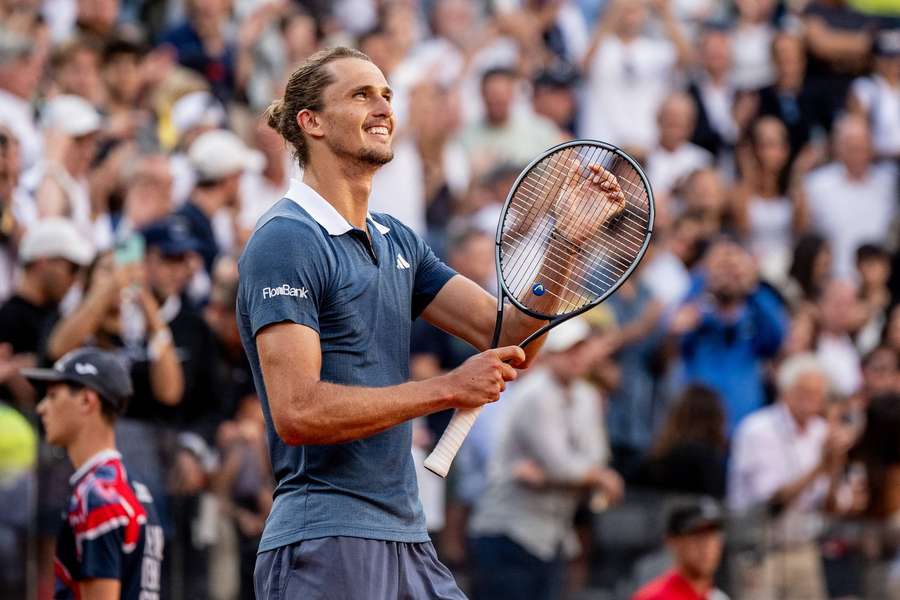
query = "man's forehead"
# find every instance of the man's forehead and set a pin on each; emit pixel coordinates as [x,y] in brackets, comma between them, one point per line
[355,72]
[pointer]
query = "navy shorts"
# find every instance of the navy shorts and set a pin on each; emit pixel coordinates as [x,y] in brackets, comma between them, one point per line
[346,568]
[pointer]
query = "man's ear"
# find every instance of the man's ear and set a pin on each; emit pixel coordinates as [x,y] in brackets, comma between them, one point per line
[310,123]
[90,400]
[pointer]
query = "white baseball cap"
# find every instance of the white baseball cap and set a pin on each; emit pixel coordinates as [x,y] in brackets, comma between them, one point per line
[219,153]
[55,237]
[567,334]
[72,115]
[197,109]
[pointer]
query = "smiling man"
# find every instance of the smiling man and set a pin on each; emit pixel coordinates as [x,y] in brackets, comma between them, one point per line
[327,296]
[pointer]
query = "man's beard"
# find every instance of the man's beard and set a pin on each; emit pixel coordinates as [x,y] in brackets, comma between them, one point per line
[369,157]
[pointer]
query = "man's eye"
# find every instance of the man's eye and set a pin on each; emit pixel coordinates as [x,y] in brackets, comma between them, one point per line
[359,95]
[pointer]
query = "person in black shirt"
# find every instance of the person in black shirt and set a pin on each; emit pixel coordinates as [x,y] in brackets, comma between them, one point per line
[51,254]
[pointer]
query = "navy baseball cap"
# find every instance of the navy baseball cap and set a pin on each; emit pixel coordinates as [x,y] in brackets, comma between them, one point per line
[697,515]
[171,235]
[92,368]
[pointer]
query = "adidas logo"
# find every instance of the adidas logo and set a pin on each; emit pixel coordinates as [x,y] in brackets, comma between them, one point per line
[401,262]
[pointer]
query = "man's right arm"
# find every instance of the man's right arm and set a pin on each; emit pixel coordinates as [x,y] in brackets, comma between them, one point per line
[308,411]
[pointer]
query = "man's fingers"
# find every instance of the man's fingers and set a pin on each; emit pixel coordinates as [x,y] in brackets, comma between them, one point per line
[508,373]
[512,355]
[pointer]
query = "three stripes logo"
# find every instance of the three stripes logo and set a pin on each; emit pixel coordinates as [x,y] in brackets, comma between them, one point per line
[401,262]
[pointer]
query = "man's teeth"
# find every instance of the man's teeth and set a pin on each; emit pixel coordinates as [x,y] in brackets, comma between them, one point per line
[378,130]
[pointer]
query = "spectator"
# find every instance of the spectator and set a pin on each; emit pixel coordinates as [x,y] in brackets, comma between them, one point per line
[878,453]
[854,175]
[635,408]
[665,270]
[11,204]
[792,489]
[554,97]
[72,126]
[148,183]
[770,206]
[629,74]
[789,98]
[751,42]
[51,254]
[811,268]
[675,157]
[689,454]
[505,137]
[122,69]
[713,93]
[76,66]
[838,41]
[714,329]
[202,44]
[219,158]
[694,535]
[707,198]
[840,315]
[877,97]
[522,527]
[873,265]
[21,65]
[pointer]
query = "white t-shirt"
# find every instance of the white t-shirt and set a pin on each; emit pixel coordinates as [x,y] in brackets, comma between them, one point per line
[665,168]
[17,115]
[771,235]
[398,187]
[849,212]
[626,83]
[882,102]
[751,52]
[840,359]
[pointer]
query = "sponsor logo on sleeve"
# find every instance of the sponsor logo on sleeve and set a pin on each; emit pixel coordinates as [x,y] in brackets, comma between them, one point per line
[284,290]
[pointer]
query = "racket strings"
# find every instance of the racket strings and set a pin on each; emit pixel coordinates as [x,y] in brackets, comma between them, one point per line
[609,249]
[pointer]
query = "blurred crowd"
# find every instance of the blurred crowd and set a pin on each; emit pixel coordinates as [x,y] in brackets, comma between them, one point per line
[753,359]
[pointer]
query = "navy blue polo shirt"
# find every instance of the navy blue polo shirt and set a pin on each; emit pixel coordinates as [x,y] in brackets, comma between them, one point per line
[305,264]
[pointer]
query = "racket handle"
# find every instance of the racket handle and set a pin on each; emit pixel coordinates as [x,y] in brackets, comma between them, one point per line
[438,462]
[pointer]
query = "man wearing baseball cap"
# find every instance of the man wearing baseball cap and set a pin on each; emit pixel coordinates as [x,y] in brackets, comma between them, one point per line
[110,544]
[219,158]
[50,255]
[694,537]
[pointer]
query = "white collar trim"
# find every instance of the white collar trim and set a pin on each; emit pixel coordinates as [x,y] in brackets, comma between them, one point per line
[100,457]
[322,211]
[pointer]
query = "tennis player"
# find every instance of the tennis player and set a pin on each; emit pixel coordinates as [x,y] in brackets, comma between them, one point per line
[326,300]
[111,544]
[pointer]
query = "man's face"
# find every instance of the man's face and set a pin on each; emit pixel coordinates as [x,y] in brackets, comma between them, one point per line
[807,396]
[698,554]
[81,154]
[497,92]
[357,122]
[167,274]
[555,103]
[716,52]
[61,413]
[122,76]
[57,276]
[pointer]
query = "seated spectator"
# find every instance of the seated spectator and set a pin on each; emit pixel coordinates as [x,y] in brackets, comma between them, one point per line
[854,175]
[770,205]
[522,526]
[727,327]
[782,458]
[877,97]
[689,454]
[840,316]
[695,539]
[675,157]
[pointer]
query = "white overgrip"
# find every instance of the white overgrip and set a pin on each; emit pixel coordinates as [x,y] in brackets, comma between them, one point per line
[438,462]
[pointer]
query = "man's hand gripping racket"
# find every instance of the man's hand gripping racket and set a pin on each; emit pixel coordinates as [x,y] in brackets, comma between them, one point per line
[574,226]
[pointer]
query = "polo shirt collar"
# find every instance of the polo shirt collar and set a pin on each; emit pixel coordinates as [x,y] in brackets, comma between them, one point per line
[322,211]
[97,459]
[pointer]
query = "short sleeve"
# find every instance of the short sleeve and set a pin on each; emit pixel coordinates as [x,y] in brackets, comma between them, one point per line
[284,275]
[101,556]
[431,275]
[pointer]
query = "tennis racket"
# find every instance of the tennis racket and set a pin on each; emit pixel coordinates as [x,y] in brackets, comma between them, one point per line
[574,226]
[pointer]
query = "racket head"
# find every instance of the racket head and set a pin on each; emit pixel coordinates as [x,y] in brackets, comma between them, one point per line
[603,265]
